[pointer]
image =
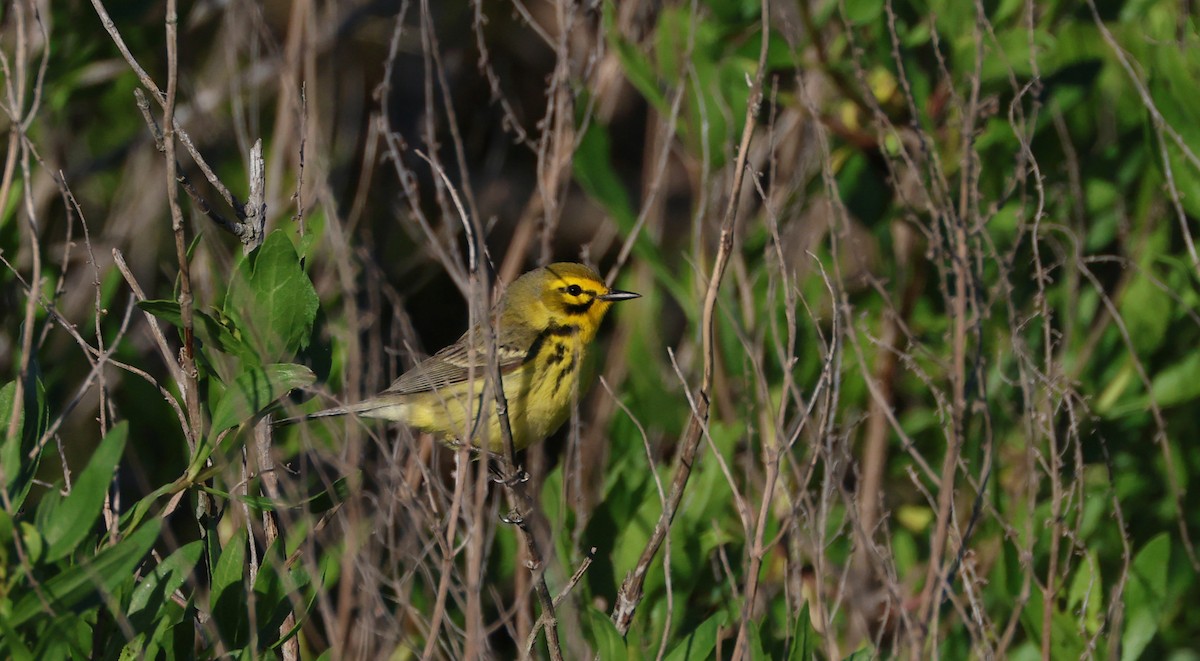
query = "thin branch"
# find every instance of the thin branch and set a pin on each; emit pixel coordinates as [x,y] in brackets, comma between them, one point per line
[631,591]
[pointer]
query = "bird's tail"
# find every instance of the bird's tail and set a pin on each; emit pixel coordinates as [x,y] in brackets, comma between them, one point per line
[371,408]
[326,413]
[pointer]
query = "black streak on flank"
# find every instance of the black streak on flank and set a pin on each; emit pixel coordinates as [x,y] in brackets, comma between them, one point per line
[562,374]
[536,347]
[560,352]
[539,342]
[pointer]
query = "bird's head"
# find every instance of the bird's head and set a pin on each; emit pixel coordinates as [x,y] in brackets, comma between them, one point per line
[563,294]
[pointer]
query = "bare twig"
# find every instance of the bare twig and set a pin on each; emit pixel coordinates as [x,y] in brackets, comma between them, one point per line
[190,385]
[630,593]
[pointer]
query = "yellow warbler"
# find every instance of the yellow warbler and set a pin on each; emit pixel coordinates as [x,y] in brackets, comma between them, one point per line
[546,320]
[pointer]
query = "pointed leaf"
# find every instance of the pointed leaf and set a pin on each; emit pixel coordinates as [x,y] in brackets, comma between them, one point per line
[606,641]
[700,643]
[229,602]
[272,300]
[254,390]
[155,590]
[1145,596]
[77,513]
[106,571]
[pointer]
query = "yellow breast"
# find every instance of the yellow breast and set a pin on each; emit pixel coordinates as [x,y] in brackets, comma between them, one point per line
[539,393]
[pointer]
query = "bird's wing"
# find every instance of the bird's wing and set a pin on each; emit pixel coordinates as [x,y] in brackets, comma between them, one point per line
[459,362]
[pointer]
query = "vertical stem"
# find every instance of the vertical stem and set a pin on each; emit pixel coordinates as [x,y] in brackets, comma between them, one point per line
[189,386]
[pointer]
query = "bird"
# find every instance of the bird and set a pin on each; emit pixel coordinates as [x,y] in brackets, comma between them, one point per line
[546,321]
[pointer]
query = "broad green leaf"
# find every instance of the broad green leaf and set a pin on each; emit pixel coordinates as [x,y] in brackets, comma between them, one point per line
[254,390]
[1145,596]
[156,588]
[1173,88]
[300,581]
[754,634]
[700,643]
[272,301]
[594,172]
[19,470]
[228,600]
[1146,309]
[270,595]
[735,11]
[104,572]
[804,641]
[635,64]
[863,12]
[212,331]
[602,634]
[77,513]
[66,636]
[1176,384]
[1065,639]
[11,645]
[10,448]
[1086,595]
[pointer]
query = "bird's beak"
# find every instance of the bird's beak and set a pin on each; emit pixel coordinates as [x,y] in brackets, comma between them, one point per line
[618,295]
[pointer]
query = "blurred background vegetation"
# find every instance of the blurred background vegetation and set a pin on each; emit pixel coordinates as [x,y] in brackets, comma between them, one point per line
[953,398]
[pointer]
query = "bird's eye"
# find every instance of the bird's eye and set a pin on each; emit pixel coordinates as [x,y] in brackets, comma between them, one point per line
[574,290]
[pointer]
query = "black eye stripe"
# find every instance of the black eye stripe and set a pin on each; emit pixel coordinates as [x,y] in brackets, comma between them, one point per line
[574,290]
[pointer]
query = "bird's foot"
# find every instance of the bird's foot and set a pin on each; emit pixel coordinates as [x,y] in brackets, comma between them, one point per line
[518,477]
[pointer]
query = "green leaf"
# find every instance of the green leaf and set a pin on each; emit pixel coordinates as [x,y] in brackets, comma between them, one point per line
[77,513]
[756,645]
[1145,596]
[272,301]
[1172,86]
[863,12]
[18,470]
[106,571]
[635,64]
[10,448]
[1177,384]
[606,641]
[229,602]
[700,643]
[66,636]
[594,172]
[300,580]
[11,645]
[133,517]
[270,595]
[254,390]
[1086,595]
[804,642]
[1146,309]
[155,590]
[213,332]
[735,11]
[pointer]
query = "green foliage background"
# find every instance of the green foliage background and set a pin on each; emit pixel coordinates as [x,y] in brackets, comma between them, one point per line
[957,335]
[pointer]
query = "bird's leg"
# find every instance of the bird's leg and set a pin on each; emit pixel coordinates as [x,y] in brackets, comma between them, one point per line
[496,468]
[513,518]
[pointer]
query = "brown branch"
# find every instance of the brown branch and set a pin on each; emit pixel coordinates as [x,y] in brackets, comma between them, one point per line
[513,479]
[631,591]
[190,384]
[251,216]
